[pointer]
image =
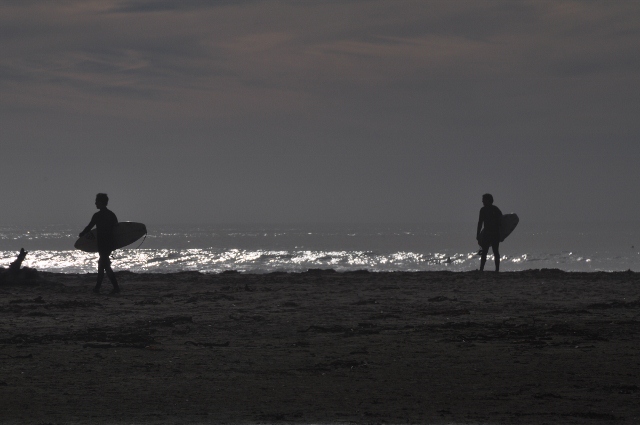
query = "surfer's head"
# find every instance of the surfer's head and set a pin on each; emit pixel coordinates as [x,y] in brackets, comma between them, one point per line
[487,199]
[102,200]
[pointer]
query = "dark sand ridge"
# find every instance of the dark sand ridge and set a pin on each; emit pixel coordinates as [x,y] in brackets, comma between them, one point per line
[431,347]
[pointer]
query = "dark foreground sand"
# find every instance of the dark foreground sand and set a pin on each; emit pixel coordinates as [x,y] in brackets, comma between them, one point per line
[527,347]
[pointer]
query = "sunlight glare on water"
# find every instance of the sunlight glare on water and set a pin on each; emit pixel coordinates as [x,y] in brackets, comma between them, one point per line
[342,248]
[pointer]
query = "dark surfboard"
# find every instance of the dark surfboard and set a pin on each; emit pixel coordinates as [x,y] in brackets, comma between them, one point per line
[126,233]
[508,222]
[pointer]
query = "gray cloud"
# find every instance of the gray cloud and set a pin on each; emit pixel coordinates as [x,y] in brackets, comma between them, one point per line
[149,6]
[314,111]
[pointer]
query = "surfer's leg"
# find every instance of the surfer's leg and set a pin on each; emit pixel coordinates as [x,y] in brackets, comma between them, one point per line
[483,258]
[96,289]
[110,274]
[496,254]
[104,265]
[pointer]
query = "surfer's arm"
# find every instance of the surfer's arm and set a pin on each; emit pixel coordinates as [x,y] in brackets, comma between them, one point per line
[479,226]
[88,228]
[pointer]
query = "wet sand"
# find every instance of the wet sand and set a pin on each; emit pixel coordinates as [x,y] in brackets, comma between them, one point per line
[433,347]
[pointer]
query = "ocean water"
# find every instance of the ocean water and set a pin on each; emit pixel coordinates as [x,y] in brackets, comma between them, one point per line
[297,248]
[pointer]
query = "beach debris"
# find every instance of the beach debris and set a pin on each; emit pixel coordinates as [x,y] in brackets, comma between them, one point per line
[15,266]
[16,274]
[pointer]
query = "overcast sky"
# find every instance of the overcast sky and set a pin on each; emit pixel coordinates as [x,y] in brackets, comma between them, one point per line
[197,111]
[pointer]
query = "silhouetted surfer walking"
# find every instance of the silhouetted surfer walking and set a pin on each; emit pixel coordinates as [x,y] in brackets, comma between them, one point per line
[105,221]
[489,218]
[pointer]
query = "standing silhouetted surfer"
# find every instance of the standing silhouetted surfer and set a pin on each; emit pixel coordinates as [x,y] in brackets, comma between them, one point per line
[105,221]
[489,218]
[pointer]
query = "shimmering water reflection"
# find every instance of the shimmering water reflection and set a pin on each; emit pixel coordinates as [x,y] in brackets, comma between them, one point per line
[265,261]
[267,248]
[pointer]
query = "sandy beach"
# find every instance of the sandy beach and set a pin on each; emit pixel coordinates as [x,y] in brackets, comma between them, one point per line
[322,347]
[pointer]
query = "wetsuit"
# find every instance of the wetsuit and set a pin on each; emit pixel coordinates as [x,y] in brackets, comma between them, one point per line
[490,216]
[105,221]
